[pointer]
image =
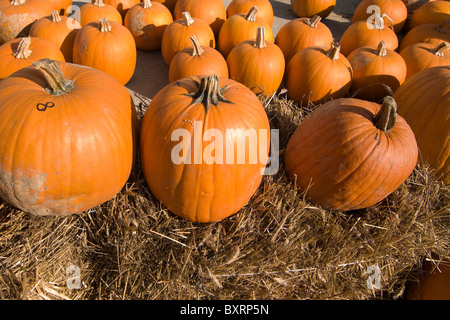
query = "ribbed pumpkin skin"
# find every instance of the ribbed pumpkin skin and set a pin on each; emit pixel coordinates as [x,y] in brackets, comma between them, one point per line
[421,56]
[201,192]
[265,9]
[343,161]
[394,9]
[432,12]
[423,101]
[16,19]
[71,157]
[426,33]
[309,8]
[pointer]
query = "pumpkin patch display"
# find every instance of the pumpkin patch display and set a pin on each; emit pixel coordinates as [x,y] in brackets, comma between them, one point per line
[350,153]
[22,52]
[421,56]
[265,9]
[97,10]
[107,46]
[310,8]
[71,133]
[204,145]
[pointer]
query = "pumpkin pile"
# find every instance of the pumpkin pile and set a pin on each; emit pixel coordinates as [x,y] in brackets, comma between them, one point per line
[372,108]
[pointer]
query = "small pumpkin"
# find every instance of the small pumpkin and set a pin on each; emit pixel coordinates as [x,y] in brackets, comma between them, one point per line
[318,74]
[97,10]
[373,69]
[422,101]
[16,17]
[213,12]
[258,64]
[265,9]
[208,114]
[426,33]
[61,6]
[301,33]
[177,36]
[197,60]
[435,12]
[122,5]
[241,27]
[71,138]
[147,22]
[395,11]
[60,30]
[350,154]
[107,46]
[421,56]
[310,8]
[22,52]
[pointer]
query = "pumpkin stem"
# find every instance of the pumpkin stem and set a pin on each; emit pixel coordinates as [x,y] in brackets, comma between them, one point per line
[147,4]
[387,116]
[333,52]
[104,26]
[314,21]
[209,92]
[187,18]
[99,3]
[442,28]
[440,49]
[378,21]
[251,15]
[198,50]
[53,75]
[17,2]
[23,49]
[381,49]
[260,38]
[55,16]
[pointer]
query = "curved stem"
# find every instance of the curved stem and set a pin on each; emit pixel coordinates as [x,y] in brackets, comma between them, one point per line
[104,26]
[386,118]
[23,49]
[99,3]
[187,19]
[198,50]
[333,52]
[314,21]
[381,49]
[55,16]
[440,49]
[260,38]
[147,4]
[53,75]
[251,15]
[17,2]
[209,92]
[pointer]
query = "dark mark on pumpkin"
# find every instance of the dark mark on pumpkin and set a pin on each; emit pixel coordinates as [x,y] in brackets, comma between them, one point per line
[43,107]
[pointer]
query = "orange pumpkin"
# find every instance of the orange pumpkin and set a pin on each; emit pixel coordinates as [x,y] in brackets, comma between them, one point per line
[394,10]
[61,6]
[197,60]
[16,17]
[421,56]
[310,8]
[422,101]
[412,5]
[265,9]
[318,74]
[207,114]
[433,284]
[349,154]
[122,5]
[213,12]
[426,33]
[241,27]
[373,68]
[301,33]
[60,30]
[177,36]
[258,64]
[71,133]
[107,46]
[147,22]
[22,52]
[97,10]
[435,12]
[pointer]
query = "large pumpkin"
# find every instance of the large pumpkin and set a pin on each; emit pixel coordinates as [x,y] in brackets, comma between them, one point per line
[423,100]
[432,12]
[421,56]
[70,138]
[395,12]
[310,8]
[350,154]
[204,147]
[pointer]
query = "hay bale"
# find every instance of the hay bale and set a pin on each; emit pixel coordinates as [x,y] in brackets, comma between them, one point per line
[279,246]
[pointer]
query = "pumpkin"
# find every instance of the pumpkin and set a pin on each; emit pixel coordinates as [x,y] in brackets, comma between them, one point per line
[22,52]
[107,46]
[258,64]
[421,56]
[147,22]
[433,284]
[426,33]
[97,10]
[432,12]
[177,35]
[213,12]
[310,8]
[301,33]
[375,68]
[60,30]
[227,129]
[350,154]
[265,9]
[71,133]
[423,102]
[61,6]
[362,33]
[241,27]
[197,60]
[16,17]
[317,74]
[122,5]
[395,11]
[170,4]
[412,5]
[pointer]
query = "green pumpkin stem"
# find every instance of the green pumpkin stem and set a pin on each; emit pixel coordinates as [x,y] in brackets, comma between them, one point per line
[198,50]
[381,49]
[23,49]
[260,38]
[251,15]
[440,49]
[57,82]
[386,118]
[314,21]
[209,92]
